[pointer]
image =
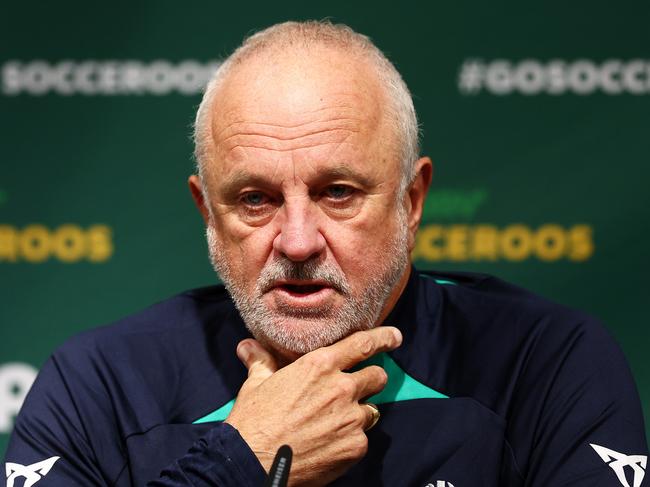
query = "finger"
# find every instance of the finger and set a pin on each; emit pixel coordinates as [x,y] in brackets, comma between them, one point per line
[370,380]
[364,344]
[259,362]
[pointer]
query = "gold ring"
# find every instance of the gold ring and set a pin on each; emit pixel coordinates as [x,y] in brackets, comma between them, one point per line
[375,415]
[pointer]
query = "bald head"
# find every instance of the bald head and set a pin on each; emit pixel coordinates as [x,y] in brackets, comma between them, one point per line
[307,101]
[277,72]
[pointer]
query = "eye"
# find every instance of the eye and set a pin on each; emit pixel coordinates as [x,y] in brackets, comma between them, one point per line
[254,198]
[338,191]
[255,207]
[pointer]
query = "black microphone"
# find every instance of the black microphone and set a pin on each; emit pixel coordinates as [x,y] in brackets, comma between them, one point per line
[279,473]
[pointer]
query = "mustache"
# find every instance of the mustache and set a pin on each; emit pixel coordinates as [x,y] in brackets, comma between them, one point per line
[310,270]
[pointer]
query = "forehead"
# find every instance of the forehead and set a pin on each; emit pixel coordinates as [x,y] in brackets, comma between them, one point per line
[289,84]
[301,99]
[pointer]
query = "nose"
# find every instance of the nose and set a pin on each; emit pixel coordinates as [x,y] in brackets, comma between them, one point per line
[299,238]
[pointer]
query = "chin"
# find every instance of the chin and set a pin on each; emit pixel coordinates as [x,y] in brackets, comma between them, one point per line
[297,336]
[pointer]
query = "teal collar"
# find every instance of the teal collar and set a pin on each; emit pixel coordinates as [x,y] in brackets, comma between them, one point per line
[400,387]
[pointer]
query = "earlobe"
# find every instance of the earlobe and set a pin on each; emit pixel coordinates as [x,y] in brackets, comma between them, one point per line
[418,193]
[196,189]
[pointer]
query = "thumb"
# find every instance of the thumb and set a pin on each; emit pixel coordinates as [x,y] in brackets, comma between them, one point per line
[259,362]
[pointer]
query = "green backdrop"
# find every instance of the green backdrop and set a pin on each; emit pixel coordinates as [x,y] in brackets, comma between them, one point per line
[536,118]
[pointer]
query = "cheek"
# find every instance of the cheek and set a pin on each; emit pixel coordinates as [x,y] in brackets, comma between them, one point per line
[360,248]
[247,248]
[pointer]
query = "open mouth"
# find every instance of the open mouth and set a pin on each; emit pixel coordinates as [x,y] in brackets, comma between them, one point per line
[301,297]
[302,289]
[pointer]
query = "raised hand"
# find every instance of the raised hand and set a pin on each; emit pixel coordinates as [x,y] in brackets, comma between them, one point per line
[311,405]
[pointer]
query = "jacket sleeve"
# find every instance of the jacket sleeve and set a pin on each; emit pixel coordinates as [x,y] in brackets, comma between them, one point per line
[576,418]
[221,457]
[56,438]
[66,435]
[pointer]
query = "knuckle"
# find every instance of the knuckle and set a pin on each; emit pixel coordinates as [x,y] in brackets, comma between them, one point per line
[362,418]
[363,343]
[346,386]
[319,359]
[359,445]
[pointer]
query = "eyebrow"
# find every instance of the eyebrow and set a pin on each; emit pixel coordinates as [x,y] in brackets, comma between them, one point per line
[340,171]
[242,178]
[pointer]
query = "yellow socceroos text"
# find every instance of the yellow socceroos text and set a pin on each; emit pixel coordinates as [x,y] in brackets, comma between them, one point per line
[66,243]
[517,242]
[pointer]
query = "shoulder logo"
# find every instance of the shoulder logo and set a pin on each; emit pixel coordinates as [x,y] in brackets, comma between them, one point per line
[32,473]
[618,462]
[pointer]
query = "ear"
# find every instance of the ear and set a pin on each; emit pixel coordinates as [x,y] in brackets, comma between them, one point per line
[196,188]
[417,193]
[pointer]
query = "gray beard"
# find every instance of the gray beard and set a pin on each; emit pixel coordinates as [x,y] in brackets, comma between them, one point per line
[303,330]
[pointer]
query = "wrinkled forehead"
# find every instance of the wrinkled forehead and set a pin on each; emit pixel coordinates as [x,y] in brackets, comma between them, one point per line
[299,87]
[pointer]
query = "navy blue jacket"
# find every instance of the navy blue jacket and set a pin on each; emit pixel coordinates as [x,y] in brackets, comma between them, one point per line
[492,386]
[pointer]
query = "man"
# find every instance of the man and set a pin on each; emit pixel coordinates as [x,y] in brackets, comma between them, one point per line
[311,189]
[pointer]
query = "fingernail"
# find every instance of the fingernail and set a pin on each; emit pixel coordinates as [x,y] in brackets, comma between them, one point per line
[244,351]
[398,335]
